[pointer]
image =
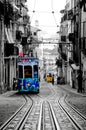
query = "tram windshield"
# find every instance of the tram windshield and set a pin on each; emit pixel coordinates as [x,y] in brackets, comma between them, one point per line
[35,71]
[27,71]
[20,71]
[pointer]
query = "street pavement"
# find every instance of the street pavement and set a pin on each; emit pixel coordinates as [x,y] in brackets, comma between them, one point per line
[9,104]
[72,90]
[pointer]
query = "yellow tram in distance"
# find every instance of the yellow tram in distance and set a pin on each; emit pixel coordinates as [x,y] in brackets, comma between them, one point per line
[48,77]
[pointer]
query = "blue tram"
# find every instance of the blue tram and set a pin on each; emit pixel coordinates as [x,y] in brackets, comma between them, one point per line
[28,74]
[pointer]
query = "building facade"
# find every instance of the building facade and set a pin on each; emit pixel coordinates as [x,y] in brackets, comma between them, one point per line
[11,39]
[72,44]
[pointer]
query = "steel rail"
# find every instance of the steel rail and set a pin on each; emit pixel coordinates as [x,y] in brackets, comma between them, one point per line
[40,117]
[57,125]
[28,114]
[77,111]
[73,121]
[13,116]
[49,112]
[9,123]
[23,120]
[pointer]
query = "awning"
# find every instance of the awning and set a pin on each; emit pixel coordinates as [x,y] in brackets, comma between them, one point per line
[75,67]
[21,28]
[9,35]
[55,67]
[15,7]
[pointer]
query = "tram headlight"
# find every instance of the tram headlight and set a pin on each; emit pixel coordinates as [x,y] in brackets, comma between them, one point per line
[28,85]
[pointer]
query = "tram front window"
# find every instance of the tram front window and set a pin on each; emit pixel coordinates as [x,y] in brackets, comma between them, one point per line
[35,71]
[27,72]
[20,71]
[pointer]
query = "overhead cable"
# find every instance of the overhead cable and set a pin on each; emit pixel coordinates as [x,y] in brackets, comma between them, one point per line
[53,12]
[33,9]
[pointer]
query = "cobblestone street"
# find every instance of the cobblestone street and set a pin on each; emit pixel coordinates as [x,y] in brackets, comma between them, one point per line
[42,65]
[11,101]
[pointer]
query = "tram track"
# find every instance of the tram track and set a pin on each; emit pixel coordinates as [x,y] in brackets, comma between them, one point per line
[76,110]
[40,117]
[52,112]
[78,120]
[16,119]
[48,118]
[50,95]
[67,116]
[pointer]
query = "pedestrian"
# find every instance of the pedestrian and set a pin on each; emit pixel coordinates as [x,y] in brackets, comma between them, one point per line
[14,84]
[44,75]
[73,78]
[53,79]
[79,80]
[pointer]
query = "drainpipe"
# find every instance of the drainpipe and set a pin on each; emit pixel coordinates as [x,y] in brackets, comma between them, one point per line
[2,56]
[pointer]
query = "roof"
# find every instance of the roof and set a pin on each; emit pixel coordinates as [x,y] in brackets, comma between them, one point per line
[24,61]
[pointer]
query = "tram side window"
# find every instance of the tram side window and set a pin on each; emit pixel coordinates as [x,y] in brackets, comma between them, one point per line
[20,71]
[35,71]
[27,72]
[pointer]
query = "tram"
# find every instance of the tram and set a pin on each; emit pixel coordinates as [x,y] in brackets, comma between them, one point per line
[48,77]
[28,74]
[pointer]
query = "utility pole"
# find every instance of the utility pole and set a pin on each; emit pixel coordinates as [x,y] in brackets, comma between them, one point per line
[79,49]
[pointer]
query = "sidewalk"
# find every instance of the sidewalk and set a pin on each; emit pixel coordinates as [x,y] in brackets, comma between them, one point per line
[73,90]
[10,102]
[8,93]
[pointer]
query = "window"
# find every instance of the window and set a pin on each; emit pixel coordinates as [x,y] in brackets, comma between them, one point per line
[20,71]
[27,72]
[35,71]
[35,33]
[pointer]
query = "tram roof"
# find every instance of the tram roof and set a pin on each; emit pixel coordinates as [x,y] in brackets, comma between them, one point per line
[28,61]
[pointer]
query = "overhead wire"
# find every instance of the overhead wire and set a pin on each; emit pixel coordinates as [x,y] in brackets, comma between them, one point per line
[37,11]
[33,9]
[53,12]
[50,26]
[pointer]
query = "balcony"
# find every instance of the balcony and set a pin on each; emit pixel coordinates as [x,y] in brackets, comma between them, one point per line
[59,62]
[70,15]
[83,45]
[64,18]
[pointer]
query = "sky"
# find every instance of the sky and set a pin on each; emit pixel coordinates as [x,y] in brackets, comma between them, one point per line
[41,11]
